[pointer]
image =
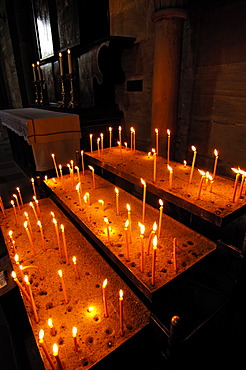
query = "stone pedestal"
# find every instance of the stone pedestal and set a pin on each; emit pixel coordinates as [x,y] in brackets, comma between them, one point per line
[167,55]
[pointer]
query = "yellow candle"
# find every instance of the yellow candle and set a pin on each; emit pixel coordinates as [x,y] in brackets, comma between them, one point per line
[102,203]
[57,237]
[142,229]
[130,222]
[170,176]
[32,299]
[64,243]
[29,224]
[117,200]
[144,198]
[33,187]
[168,145]
[154,156]
[108,229]
[42,234]
[61,64]
[193,163]
[216,153]
[63,286]
[201,182]
[151,235]
[34,72]
[23,290]
[98,147]
[56,355]
[79,196]
[55,165]
[82,162]
[110,137]
[157,141]
[127,243]
[18,190]
[91,142]
[154,260]
[174,254]
[69,59]
[93,176]
[78,175]
[13,204]
[51,326]
[2,206]
[39,71]
[17,201]
[43,346]
[62,178]
[101,136]
[29,237]
[105,305]
[237,171]
[121,312]
[34,210]
[74,334]
[243,173]
[76,267]
[160,218]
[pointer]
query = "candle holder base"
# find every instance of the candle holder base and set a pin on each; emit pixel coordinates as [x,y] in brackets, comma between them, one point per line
[72,103]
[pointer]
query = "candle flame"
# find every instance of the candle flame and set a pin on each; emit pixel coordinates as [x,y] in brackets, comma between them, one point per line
[77,186]
[25,224]
[101,135]
[74,260]
[155,242]
[242,172]
[168,132]
[116,190]
[31,204]
[26,279]
[39,223]
[62,228]
[128,207]
[193,148]
[149,154]
[169,168]
[106,220]
[236,170]
[110,129]
[60,273]
[60,167]
[50,324]
[121,294]
[153,150]
[143,182]
[105,283]
[41,334]
[52,155]
[125,143]
[91,135]
[10,233]
[142,228]
[32,179]
[98,140]
[74,331]
[46,177]
[119,128]
[15,196]
[155,226]
[132,129]
[68,51]
[127,223]
[76,168]
[12,202]
[16,257]
[207,174]
[13,275]
[54,221]
[91,168]
[90,309]
[202,172]
[161,202]
[52,214]
[101,201]
[216,153]
[55,349]
[185,163]
[210,177]
[156,131]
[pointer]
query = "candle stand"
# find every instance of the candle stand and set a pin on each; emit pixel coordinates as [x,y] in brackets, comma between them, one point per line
[36,93]
[63,94]
[72,104]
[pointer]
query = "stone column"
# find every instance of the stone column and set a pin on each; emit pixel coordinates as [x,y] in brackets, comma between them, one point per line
[166,74]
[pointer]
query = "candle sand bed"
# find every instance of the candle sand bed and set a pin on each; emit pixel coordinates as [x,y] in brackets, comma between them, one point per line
[97,336]
[190,246]
[215,206]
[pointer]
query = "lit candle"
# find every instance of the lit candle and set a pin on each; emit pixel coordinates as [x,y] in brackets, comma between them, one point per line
[29,224]
[37,205]
[62,178]
[69,59]
[134,139]
[93,176]
[51,326]
[102,203]
[56,355]
[61,64]
[185,163]
[79,196]
[108,229]
[76,267]
[121,311]
[43,346]
[72,173]
[243,173]
[174,254]
[236,183]
[144,198]
[17,201]
[120,139]
[105,305]
[154,260]
[151,235]
[87,198]
[201,182]
[211,183]
[33,187]
[57,236]
[77,170]
[170,176]
[29,237]
[91,142]
[82,162]
[216,153]
[63,286]
[32,299]
[125,143]
[13,204]
[193,163]
[64,243]
[54,161]
[110,137]
[142,229]
[130,222]
[34,210]
[74,334]
[101,136]
[157,141]
[168,145]
[98,147]
[160,218]
[120,147]
[154,172]
[39,71]
[42,234]
[117,200]
[34,72]
[127,244]
[131,141]
[23,290]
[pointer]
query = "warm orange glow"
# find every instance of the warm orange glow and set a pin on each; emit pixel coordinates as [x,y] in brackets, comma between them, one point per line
[54,221]
[62,228]
[12,202]
[126,223]
[52,214]
[202,172]
[110,129]
[156,130]
[210,177]
[74,260]
[41,335]
[10,233]
[16,257]
[143,182]
[25,224]
[155,226]
[168,132]
[119,128]
[132,129]
[170,168]
[46,177]
[31,204]
[55,349]
[52,155]
[39,224]
[216,153]
[116,190]
[13,275]
[236,170]
[60,273]
[128,207]
[105,283]
[26,279]
[153,150]
[32,179]
[155,242]
[90,309]
[193,148]
[185,163]
[106,220]
[91,168]
[121,294]
[74,331]
[101,201]
[142,228]
[161,202]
